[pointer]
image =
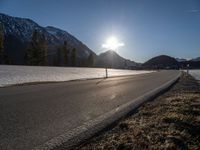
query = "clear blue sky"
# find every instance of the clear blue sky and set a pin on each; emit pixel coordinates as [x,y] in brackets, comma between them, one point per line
[146,27]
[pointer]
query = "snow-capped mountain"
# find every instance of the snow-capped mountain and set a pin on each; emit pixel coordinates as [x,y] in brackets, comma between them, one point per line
[62,36]
[18,32]
[23,28]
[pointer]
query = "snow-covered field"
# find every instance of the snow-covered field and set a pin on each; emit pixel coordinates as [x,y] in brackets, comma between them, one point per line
[10,75]
[195,74]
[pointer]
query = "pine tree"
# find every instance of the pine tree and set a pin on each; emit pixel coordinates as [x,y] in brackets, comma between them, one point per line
[58,56]
[1,44]
[125,64]
[42,49]
[90,60]
[31,54]
[65,53]
[73,57]
[36,53]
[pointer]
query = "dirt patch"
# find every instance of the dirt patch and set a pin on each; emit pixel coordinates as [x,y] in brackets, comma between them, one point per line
[171,121]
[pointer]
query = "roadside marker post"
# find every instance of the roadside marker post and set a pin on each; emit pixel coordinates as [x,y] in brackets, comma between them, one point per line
[188,69]
[106,73]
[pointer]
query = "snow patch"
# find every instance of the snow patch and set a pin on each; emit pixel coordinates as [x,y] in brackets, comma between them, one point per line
[195,74]
[10,75]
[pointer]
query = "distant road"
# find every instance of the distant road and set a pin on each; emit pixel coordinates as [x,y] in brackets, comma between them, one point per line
[30,115]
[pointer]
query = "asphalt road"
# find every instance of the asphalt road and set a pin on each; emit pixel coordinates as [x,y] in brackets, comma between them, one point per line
[33,114]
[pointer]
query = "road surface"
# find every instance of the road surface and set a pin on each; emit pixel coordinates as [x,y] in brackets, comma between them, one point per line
[30,115]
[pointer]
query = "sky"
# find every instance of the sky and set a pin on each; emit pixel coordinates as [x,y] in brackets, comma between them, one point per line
[146,28]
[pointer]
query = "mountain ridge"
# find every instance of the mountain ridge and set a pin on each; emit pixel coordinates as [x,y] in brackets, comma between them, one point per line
[18,32]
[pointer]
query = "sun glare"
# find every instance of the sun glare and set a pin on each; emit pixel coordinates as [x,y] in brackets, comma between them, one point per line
[112,43]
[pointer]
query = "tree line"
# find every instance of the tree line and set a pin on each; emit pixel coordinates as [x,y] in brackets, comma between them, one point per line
[36,52]
[4,59]
[68,57]
[65,56]
[1,45]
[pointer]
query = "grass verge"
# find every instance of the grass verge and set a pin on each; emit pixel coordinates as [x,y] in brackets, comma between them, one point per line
[171,121]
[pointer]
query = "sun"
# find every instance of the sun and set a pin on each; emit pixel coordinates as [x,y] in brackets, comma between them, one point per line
[112,43]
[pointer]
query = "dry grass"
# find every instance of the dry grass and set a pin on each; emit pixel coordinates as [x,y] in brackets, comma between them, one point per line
[171,121]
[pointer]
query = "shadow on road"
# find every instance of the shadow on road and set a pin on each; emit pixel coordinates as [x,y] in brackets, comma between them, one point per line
[101,80]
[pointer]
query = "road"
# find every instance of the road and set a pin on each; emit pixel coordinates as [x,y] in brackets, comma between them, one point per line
[33,114]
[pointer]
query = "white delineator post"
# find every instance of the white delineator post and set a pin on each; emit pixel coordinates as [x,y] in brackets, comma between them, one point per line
[188,69]
[106,72]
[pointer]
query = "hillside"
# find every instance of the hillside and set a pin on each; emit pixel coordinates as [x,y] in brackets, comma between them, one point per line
[111,59]
[161,62]
[195,59]
[192,64]
[181,59]
[18,33]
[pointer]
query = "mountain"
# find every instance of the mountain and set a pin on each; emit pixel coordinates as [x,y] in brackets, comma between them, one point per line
[111,59]
[195,59]
[18,33]
[161,62]
[62,36]
[193,63]
[181,59]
